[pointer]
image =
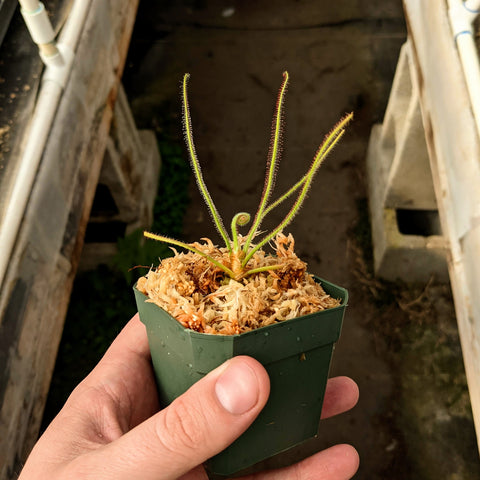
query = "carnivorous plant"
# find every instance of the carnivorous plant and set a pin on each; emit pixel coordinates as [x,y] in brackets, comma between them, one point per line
[241,248]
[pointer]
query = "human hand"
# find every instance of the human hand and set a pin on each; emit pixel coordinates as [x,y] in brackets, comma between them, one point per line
[110,427]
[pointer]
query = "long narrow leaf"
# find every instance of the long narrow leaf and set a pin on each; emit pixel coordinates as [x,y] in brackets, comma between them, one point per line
[334,135]
[272,161]
[327,146]
[178,243]
[187,123]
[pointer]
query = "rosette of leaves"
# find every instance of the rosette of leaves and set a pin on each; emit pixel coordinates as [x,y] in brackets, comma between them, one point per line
[241,248]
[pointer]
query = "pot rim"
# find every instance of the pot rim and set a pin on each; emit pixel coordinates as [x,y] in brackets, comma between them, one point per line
[322,282]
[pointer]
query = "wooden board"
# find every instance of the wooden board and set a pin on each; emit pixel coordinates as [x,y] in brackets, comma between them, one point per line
[454,152]
[37,287]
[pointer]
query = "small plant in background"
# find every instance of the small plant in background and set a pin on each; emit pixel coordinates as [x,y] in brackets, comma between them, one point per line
[240,249]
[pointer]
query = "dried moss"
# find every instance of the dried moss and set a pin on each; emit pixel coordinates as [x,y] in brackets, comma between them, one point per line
[202,298]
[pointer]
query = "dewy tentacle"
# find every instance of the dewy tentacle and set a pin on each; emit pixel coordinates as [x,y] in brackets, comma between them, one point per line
[273,154]
[187,123]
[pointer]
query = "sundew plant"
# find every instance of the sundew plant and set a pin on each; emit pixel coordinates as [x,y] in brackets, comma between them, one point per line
[242,248]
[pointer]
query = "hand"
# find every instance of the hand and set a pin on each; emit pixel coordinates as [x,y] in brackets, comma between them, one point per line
[110,427]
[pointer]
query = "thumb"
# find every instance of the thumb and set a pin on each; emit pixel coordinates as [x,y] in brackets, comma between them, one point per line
[196,426]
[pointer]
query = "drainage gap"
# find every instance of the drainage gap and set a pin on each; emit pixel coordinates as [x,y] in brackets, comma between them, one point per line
[418,222]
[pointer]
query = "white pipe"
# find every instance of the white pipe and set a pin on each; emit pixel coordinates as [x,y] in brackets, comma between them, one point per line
[473,6]
[462,15]
[74,24]
[53,83]
[40,28]
[29,5]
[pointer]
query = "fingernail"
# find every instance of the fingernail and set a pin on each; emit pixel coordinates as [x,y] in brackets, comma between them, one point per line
[237,388]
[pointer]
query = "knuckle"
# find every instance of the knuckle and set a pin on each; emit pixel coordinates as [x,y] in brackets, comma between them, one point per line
[183,427]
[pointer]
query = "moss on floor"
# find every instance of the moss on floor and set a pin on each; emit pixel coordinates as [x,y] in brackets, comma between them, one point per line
[430,409]
[435,411]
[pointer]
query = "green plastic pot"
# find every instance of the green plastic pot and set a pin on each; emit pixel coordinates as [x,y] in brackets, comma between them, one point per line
[296,354]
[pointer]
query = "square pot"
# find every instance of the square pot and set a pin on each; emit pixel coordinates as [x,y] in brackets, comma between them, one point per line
[296,354]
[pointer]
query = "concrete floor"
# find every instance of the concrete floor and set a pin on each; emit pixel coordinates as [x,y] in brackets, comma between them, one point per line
[340,58]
